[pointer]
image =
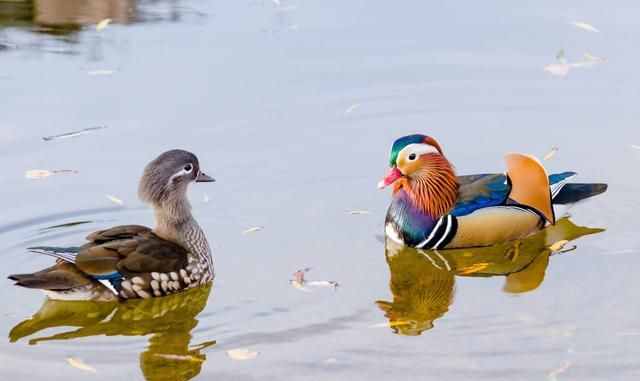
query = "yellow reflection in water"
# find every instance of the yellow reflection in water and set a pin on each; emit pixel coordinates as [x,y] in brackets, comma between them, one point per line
[169,320]
[423,282]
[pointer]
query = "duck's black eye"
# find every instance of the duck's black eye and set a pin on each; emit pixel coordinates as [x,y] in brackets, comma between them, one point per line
[188,167]
[412,156]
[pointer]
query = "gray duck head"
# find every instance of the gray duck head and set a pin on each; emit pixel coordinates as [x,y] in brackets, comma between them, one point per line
[165,180]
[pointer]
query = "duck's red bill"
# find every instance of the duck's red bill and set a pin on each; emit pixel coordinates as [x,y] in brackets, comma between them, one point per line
[393,175]
[204,178]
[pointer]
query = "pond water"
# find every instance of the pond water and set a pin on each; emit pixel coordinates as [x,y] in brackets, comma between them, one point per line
[292,106]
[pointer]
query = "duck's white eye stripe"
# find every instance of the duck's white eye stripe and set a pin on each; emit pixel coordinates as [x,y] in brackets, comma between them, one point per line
[179,173]
[418,150]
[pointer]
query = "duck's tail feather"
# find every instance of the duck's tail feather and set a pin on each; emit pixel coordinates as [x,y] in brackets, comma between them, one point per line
[67,254]
[575,192]
[61,276]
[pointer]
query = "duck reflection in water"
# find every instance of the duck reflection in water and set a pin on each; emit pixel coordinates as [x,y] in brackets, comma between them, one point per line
[423,282]
[169,320]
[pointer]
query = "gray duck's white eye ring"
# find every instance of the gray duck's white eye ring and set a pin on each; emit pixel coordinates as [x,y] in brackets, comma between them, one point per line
[188,168]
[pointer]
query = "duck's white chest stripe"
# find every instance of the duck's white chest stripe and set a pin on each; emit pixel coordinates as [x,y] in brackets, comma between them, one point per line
[432,235]
[442,233]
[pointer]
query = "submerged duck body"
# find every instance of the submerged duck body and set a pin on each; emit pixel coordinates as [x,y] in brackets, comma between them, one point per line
[133,261]
[433,208]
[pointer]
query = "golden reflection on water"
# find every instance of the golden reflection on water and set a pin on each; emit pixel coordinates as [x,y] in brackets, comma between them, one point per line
[168,320]
[423,282]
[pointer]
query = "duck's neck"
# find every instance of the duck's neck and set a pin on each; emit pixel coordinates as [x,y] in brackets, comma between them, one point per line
[433,191]
[178,225]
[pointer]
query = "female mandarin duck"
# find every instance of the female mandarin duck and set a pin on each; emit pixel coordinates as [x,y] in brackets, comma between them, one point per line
[432,208]
[132,261]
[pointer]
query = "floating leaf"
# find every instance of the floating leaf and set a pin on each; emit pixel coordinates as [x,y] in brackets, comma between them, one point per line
[554,373]
[42,173]
[558,245]
[242,354]
[180,357]
[299,286]
[80,365]
[299,282]
[585,26]
[37,174]
[358,212]
[472,269]
[559,70]
[253,229]
[299,275]
[115,200]
[394,323]
[102,24]
[593,57]
[352,108]
[73,134]
[552,152]
[586,64]
[100,72]
[321,283]
[64,171]
[561,57]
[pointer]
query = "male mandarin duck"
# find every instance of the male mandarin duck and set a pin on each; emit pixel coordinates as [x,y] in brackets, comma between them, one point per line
[133,261]
[433,208]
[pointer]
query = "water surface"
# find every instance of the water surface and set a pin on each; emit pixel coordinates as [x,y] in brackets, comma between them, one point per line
[260,94]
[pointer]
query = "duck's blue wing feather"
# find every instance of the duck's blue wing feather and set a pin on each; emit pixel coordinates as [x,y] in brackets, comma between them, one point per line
[480,191]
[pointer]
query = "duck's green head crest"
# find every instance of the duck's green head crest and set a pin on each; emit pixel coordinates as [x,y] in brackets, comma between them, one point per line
[404,141]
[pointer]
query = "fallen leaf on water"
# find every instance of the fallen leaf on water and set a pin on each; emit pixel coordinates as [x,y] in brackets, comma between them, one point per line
[80,365]
[586,64]
[253,229]
[322,283]
[552,152]
[558,245]
[561,57]
[299,286]
[242,354]
[299,275]
[102,24]
[593,57]
[299,282]
[42,173]
[37,174]
[585,26]
[472,269]
[115,200]
[554,373]
[352,108]
[100,72]
[358,212]
[180,357]
[394,323]
[559,70]
[73,134]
